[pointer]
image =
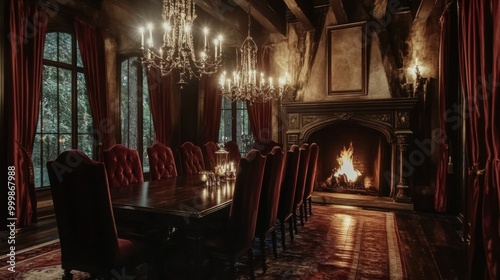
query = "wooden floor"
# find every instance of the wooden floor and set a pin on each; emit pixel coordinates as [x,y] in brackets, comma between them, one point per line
[432,243]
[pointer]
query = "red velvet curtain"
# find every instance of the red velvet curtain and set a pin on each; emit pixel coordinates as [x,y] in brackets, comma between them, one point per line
[27,28]
[160,102]
[211,109]
[91,44]
[260,113]
[479,69]
[447,86]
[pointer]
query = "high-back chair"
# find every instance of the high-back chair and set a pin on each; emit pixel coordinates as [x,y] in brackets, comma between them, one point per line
[267,147]
[234,152]
[85,221]
[123,166]
[238,236]
[301,182]
[311,178]
[287,193]
[269,200]
[161,162]
[191,158]
[210,158]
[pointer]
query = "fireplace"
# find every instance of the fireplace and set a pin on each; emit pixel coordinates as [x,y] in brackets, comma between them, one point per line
[379,130]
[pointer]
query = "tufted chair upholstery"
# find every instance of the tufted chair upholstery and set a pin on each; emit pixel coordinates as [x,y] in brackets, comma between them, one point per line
[287,193]
[238,237]
[123,166]
[161,162]
[191,158]
[311,178]
[301,183]
[210,159]
[234,152]
[269,199]
[85,220]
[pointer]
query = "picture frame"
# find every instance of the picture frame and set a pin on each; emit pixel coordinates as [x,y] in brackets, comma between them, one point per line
[346,59]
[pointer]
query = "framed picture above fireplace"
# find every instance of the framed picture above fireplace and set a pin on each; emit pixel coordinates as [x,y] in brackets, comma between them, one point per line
[346,59]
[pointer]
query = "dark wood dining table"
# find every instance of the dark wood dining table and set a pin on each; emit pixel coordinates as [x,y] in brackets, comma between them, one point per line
[184,202]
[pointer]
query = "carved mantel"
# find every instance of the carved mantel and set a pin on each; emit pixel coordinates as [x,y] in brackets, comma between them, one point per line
[395,118]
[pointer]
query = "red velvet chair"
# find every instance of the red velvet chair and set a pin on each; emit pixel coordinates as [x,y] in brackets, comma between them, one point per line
[161,162]
[123,166]
[269,200]
[234,152]
[287,193]
[311,178]
[191,158]
[210,158]
[85,221]
[265,148]
[301,183]
[238,237]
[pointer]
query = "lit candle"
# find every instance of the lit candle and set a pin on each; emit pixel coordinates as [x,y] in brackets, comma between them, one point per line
[216,42]
[261,79]
[166,29]
[205,32]
[271,82]
[220,44]
[142,37]
[228,84]
[150,27]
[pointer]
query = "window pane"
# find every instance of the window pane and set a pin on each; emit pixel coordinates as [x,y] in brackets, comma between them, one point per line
[50,48]
[65,47]
[48,104]
[79,62]
[84,113]
[124,112]
[64,142]
[50,152]
[85,142]
[65,101]
[37,160]
[147,123]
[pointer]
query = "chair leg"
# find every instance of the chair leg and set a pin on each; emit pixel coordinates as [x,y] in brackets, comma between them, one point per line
[263,252]
[295,219]
[305,210]
[275,251]
[310,206]
[232,269]
[301,209]
[250,263]
[290,224]
[282,228]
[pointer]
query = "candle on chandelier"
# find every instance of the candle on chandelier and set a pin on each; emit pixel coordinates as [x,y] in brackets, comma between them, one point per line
[205,32]
[142,37]
[150,27]
[166,34]
[271,82]
[216,43]
[261,79]
[220,43]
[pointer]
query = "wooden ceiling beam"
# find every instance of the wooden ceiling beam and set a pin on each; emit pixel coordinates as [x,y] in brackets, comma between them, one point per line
[302,10]
[338,11]
[265,15]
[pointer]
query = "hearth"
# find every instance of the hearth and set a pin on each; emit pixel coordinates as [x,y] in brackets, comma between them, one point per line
[376,132]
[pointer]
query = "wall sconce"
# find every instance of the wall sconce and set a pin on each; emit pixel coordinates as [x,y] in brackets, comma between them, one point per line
[420,81]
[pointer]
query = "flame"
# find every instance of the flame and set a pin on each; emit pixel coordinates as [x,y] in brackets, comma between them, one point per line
[346,165]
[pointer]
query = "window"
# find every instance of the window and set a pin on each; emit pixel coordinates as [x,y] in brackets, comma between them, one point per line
[137,130]
[235,126]
[65,120]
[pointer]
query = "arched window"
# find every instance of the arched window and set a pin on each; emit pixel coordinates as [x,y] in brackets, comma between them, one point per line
[137,131]
[65,120]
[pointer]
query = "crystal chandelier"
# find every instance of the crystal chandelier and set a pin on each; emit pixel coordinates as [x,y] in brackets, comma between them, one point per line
[177,52]
[246,83]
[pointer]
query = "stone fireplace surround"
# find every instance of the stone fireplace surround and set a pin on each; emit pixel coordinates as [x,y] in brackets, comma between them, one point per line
[395,118]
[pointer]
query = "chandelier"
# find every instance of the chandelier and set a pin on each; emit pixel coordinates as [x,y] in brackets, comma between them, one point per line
[176,52]
[248,84]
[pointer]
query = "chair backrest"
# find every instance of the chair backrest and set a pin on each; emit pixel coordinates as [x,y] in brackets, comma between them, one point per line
[191,158]
[123,166]
[270,193]
[210,158]
[289,182]
[311,170]
[84,216]
[302,174]
[265,148]
[234,152]
[161,162]
[245,204]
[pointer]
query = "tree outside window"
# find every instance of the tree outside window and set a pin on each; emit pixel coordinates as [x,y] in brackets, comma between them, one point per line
[137,131]
[235,125]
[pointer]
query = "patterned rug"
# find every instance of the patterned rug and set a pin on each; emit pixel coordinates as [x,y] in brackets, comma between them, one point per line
[337,242]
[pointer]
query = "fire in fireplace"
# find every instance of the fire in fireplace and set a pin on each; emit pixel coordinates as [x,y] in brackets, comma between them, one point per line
[346,177]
